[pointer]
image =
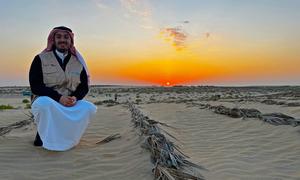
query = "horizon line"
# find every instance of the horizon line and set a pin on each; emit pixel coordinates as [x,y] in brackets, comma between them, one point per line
[134,85]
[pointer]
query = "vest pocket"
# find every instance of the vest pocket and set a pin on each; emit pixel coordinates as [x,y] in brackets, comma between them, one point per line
[75,79]
[49,69]
[50,73]
[50,78]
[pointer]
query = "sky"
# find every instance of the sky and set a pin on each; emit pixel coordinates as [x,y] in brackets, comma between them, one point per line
[160,42]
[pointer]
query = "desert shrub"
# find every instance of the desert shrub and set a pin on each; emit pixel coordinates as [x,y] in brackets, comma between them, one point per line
[25,101]
[2,107]
[28,106]
[138,101]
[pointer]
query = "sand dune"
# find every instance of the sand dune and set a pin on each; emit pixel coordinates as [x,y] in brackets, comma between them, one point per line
[230,148]
[233,148]
[119,159]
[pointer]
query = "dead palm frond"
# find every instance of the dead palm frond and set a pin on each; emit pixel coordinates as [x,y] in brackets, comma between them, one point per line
[169,161]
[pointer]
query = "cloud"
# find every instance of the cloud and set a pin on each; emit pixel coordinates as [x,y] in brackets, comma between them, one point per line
[140,11]
[100,4]
[146,27]
[176,36]
[136,7]
[207,34]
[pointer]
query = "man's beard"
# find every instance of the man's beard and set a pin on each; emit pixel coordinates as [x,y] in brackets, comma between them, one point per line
[62,50]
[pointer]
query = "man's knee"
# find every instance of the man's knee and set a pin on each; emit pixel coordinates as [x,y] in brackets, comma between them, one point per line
[43,102]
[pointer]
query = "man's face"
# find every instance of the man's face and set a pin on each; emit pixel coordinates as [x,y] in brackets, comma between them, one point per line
[62,41]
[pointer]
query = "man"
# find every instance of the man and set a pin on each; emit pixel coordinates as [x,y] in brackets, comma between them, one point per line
[59,80]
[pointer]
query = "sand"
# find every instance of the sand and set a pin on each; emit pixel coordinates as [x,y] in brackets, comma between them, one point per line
[230,148]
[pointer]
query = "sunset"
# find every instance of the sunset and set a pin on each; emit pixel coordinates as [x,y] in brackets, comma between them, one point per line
[151,42]
[150,89]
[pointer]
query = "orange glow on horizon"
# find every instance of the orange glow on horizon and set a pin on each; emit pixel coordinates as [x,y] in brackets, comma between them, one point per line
[168,72]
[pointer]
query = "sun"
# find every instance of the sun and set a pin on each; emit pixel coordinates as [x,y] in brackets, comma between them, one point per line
[168,83]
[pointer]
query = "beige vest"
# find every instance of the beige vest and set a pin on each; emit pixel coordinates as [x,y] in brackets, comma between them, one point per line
[64,82]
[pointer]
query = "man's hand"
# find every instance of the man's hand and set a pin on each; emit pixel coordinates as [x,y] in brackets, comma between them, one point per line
[67,100]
